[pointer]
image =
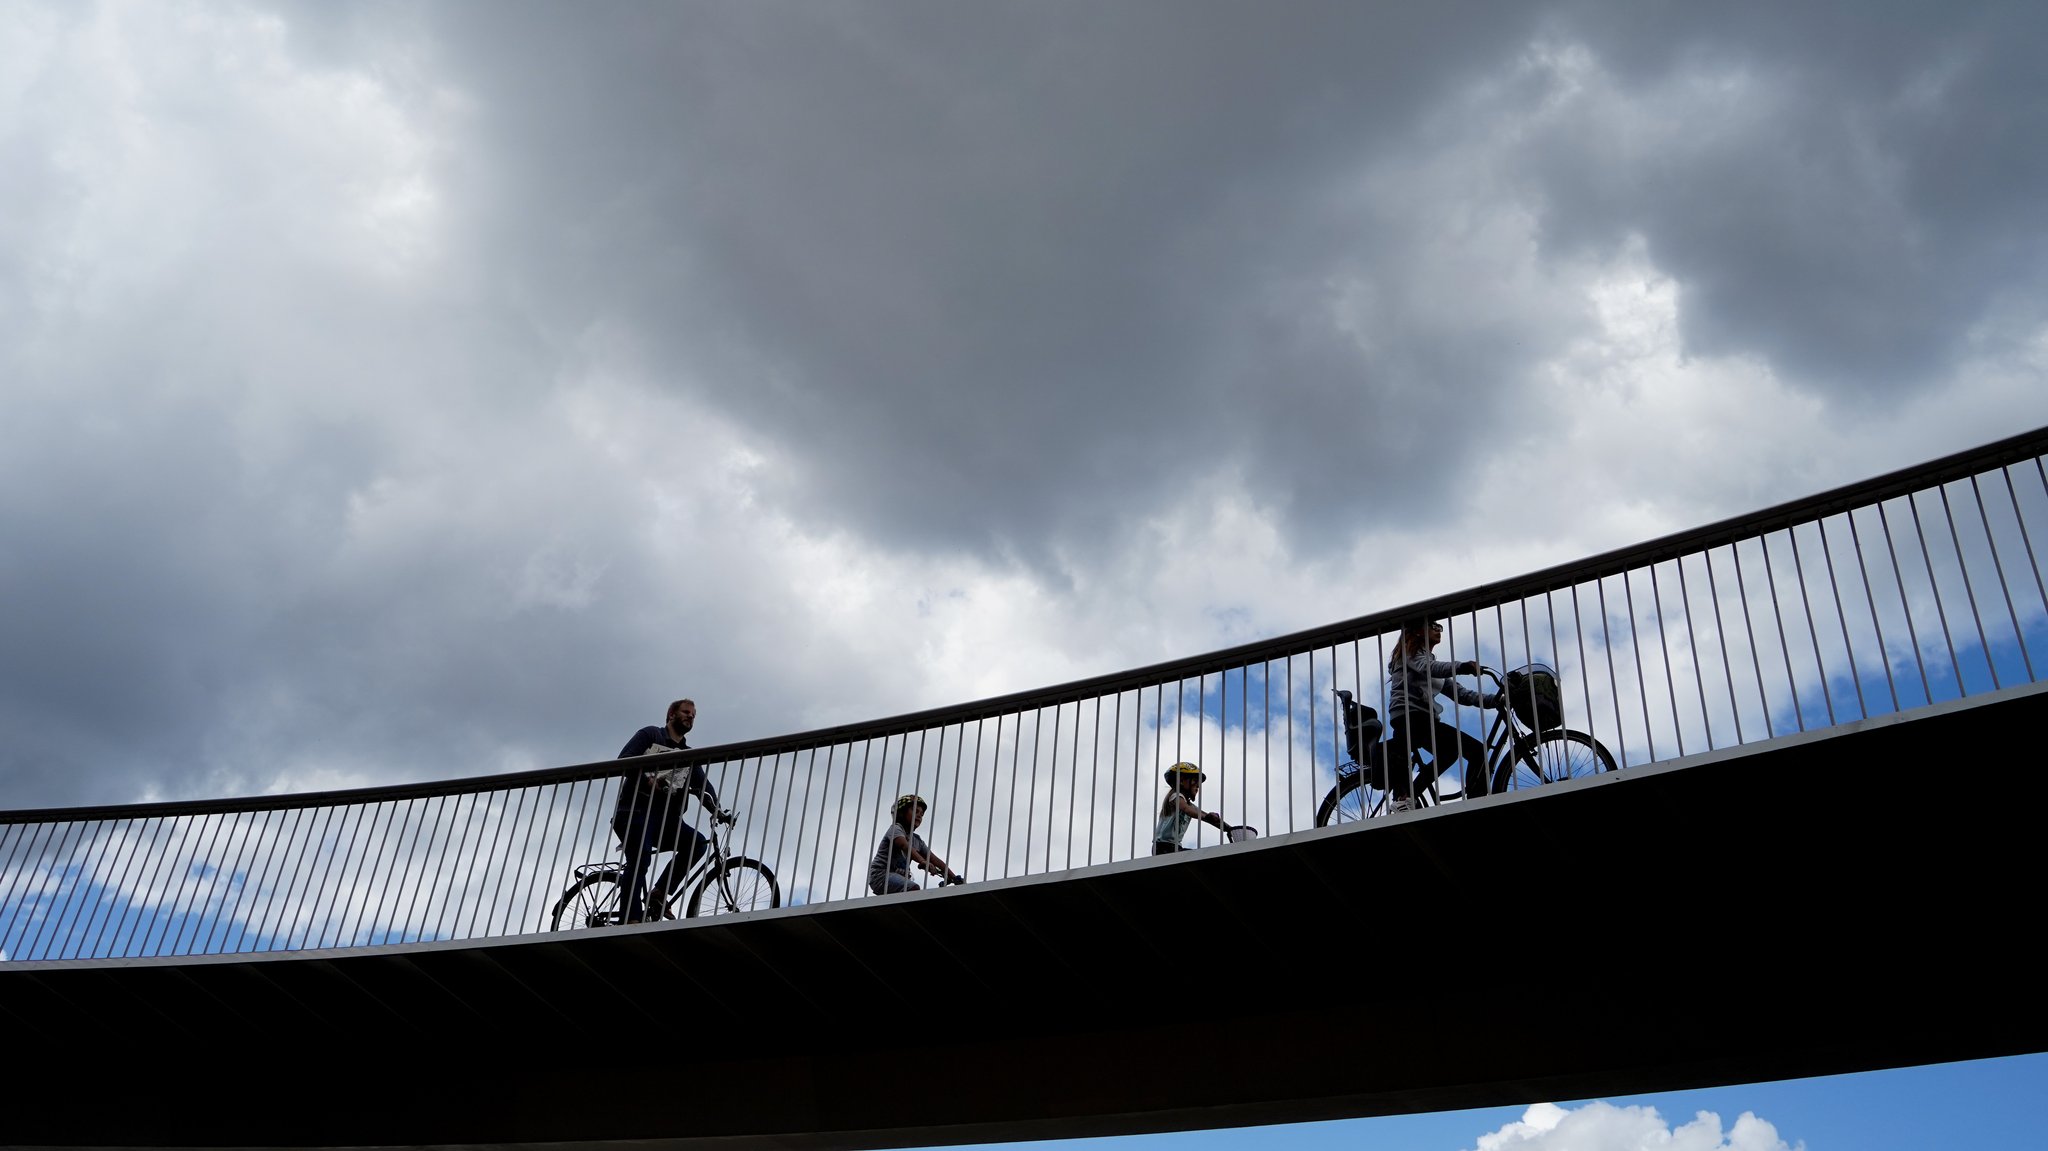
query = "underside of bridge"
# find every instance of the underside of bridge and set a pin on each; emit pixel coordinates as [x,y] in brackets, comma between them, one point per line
[1851,900]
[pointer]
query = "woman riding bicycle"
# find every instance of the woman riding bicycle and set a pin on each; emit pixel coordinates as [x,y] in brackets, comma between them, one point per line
[1416,677]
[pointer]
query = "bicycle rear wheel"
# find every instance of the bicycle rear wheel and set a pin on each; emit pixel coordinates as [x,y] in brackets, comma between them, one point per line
[592,901]
[1557,755]
[738,884]
[1350,801]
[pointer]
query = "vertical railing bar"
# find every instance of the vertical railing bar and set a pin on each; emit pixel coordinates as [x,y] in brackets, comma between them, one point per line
[1842,614]
[1899,576]
[439,882]
[784,846]
[29,836]
[391,885]
[367,874]
[860,796]
[345,815]
[1051,771]
[1827,695]
[1784,641]
[1550,618]
[55,907]
[417,877]
[249,833]
[1613,683]
[1636,643]
[315,863]
[549,834]
[257,853]
[1010,810]
[465,858]
[1074,789]
[1721,635]
[93,853]
[505,849]
[810,872]
[2020,517]
[124,862]
[500,805]
[134,869]
[953,792]
[1585,666]
[145,921]
[1934,590]
[1756,662]
[579,831]
[917,777]
[68,920]
[218,891]
[105,853]
[1664,646]
[842,778]
[995,761]
[214,825]
[181,842]
[1955,540]
[297,862]
[1870,600]
[1266,736]
[1094,775]
[1116,768]
[47,847]
[200,848]
[1289,689]
[753,833]
[26,838]
[2005,588]
[973,786]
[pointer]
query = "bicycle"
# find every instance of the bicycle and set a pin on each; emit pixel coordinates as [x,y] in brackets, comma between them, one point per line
[1526,746]
[729,883]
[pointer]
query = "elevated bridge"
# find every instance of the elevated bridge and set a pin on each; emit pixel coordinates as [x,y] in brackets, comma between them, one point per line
[1816,856]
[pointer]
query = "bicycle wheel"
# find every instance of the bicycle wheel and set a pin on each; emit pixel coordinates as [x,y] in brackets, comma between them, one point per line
[592,901]
[738,884]
[1350,801]
[1556,756]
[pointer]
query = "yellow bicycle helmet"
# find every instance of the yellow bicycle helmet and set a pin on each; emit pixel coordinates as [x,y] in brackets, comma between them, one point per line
[1182,768]
[903,801]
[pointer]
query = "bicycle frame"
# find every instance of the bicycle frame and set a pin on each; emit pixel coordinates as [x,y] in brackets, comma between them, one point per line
[671,886]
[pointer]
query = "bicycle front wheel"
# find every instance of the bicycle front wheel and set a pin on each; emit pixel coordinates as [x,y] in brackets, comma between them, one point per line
[1557,755]
[592,901]
[738,884]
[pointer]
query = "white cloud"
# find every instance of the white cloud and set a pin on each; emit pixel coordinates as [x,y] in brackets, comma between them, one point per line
[1605,1127]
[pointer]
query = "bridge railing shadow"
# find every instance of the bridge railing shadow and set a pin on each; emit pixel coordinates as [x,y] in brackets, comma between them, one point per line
[1914,588]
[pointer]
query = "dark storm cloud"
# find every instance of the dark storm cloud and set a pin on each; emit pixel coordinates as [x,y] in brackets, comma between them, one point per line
[370,373]
[1001,277]
[1843,190]
[994,276]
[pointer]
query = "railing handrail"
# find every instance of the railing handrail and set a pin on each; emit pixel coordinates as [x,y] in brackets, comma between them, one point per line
[1903,481]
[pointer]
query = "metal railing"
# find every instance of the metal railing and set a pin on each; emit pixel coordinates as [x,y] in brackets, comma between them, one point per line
[1917,587]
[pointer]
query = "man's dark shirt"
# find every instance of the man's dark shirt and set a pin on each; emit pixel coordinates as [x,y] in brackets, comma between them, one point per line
[633,795]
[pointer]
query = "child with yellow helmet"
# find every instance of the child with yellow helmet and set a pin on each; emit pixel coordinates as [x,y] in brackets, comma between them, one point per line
[1184,787]
[902,846]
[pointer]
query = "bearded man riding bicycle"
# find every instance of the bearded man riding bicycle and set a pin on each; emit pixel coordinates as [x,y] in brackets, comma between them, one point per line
[649,817]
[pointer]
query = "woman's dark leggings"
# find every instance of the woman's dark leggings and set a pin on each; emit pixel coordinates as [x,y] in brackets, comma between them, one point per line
[1446,746]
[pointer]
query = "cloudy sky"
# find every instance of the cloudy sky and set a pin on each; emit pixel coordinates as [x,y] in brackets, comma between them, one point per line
[395,391]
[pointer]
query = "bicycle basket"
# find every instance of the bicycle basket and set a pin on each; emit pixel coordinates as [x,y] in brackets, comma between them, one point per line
[1534,696]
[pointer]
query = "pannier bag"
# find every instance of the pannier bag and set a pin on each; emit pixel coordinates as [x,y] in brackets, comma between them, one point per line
[1533,694]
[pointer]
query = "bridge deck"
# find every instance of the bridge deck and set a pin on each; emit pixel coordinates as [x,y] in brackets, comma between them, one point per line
[1837,902]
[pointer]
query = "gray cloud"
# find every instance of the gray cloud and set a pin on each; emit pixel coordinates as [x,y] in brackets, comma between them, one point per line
[426,392]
